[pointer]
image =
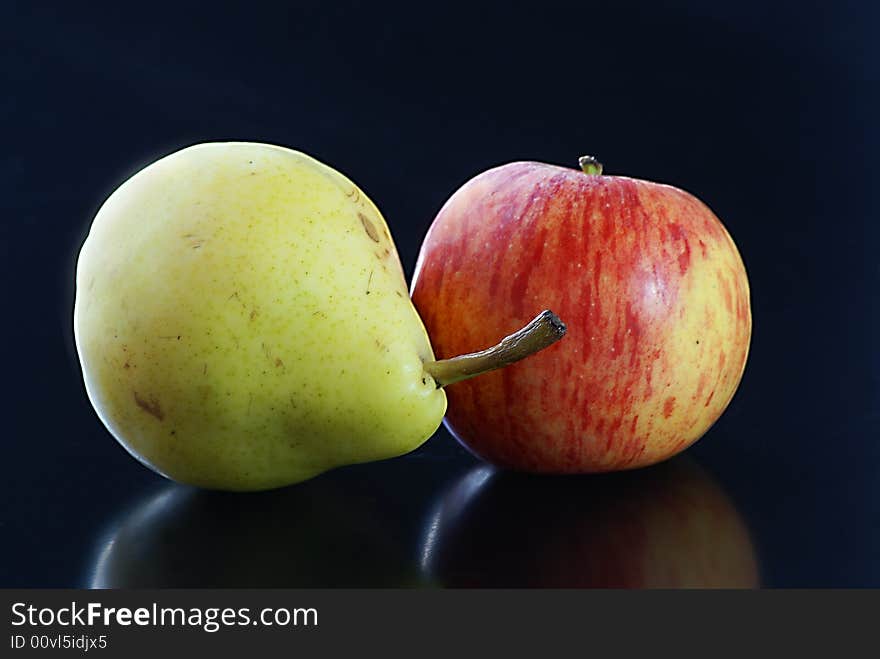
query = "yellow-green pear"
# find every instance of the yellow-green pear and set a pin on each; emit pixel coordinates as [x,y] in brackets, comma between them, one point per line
[243,322]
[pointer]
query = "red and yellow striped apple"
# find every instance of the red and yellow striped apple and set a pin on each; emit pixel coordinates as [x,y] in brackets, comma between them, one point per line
[646,278]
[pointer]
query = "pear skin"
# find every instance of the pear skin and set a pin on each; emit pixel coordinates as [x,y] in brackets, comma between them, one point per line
[243,322]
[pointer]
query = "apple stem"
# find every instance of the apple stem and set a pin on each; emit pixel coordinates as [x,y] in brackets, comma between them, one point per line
[542,331]
[589,165]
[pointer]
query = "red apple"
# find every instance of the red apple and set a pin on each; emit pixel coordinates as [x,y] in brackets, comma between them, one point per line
[646,278]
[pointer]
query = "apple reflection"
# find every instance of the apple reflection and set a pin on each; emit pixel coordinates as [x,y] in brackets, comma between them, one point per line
[329,532]
[669,526]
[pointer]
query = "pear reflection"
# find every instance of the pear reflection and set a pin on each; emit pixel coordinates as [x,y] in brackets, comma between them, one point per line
[324,533]
[669,526]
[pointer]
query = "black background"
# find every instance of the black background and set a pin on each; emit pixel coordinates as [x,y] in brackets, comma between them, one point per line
[765,110]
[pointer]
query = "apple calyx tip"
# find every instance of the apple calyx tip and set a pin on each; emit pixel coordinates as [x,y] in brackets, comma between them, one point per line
[589,165]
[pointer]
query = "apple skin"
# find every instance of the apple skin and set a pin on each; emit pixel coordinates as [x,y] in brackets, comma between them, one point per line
[649,283]
[667,526]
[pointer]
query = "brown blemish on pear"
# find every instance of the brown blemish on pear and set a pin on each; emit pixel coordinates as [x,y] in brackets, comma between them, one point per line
[150,406]
[369,227]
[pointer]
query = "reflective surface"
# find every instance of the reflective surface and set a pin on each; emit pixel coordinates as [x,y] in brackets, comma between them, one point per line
[765,111]
[665,527]
[715,517]
[670,526]
[324,533]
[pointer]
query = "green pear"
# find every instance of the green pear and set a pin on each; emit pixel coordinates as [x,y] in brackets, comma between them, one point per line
[243,322]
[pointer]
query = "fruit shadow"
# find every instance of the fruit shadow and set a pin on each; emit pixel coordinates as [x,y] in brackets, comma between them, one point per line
[667,526]
[334,531]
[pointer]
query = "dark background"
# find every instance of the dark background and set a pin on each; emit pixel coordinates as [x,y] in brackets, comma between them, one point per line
[765,110]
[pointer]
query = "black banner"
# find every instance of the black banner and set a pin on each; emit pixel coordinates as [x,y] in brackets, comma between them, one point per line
[417,622]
